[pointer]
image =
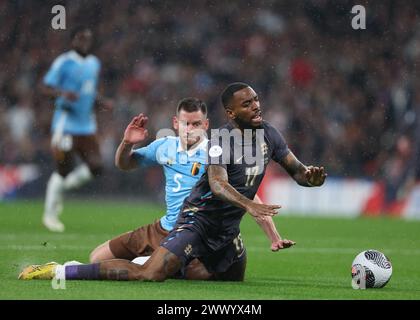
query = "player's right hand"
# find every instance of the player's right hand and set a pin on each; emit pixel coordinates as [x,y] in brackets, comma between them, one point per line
[136,131]
[260,210]
[282,244]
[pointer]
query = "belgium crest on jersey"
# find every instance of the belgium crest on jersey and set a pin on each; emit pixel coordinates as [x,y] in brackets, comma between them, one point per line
[195,169]
[264,151]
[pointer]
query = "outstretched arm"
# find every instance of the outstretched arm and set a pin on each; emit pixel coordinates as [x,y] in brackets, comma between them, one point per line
[267,225]
[219,185]
[307,176]
[134,133]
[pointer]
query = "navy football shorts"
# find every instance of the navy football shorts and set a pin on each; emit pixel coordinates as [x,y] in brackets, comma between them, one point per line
[187,245]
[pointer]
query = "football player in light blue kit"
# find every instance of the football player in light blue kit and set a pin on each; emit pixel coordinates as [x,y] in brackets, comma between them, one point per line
[183,160]
[72,81]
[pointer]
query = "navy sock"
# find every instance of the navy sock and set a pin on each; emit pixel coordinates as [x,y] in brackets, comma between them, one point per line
[83,272]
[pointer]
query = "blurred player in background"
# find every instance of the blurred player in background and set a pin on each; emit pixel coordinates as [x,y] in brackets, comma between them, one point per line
[72,81]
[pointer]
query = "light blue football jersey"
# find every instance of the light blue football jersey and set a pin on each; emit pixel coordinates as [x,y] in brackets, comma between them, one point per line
[72,72]
[182,170]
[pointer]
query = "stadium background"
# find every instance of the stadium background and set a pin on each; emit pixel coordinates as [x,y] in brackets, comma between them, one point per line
[343,98]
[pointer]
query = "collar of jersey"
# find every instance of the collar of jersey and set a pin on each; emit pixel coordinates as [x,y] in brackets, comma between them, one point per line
[74,55]
[191,152]
[231,126]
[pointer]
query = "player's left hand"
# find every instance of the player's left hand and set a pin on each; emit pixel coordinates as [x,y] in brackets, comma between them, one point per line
[282,244]
[315,175]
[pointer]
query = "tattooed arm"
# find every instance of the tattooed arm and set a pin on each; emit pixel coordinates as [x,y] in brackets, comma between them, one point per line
[267,225]
[307,176]
[219,185]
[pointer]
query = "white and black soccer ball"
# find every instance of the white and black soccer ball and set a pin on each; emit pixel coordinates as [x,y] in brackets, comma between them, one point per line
[370,269]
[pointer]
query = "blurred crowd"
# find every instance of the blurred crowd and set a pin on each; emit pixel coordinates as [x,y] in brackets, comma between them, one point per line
[346,99]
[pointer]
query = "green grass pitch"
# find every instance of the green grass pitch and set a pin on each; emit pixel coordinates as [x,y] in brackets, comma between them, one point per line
[318,267]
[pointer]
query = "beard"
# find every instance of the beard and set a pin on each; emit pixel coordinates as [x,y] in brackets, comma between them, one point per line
[247,125]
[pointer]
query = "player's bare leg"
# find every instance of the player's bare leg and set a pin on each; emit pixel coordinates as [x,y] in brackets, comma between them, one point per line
[101,253]
[194,271]
[162,264]
[197,271]
[88,150]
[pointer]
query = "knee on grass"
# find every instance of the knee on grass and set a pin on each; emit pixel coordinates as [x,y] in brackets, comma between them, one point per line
[101,253]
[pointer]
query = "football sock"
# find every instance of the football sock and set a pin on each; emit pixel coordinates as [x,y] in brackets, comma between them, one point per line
[81,272]
[77,177]
[60,271]
[54,196]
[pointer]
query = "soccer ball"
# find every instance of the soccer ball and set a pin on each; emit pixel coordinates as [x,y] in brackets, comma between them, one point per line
[370,269]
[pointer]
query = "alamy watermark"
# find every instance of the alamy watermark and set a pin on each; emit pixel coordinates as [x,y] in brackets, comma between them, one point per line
[58,284]
[58,22]
[224,147]
[358,275]
[359,20]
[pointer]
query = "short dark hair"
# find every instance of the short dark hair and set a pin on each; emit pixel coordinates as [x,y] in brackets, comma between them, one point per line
[191,105]
[229,91]
[78,29]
